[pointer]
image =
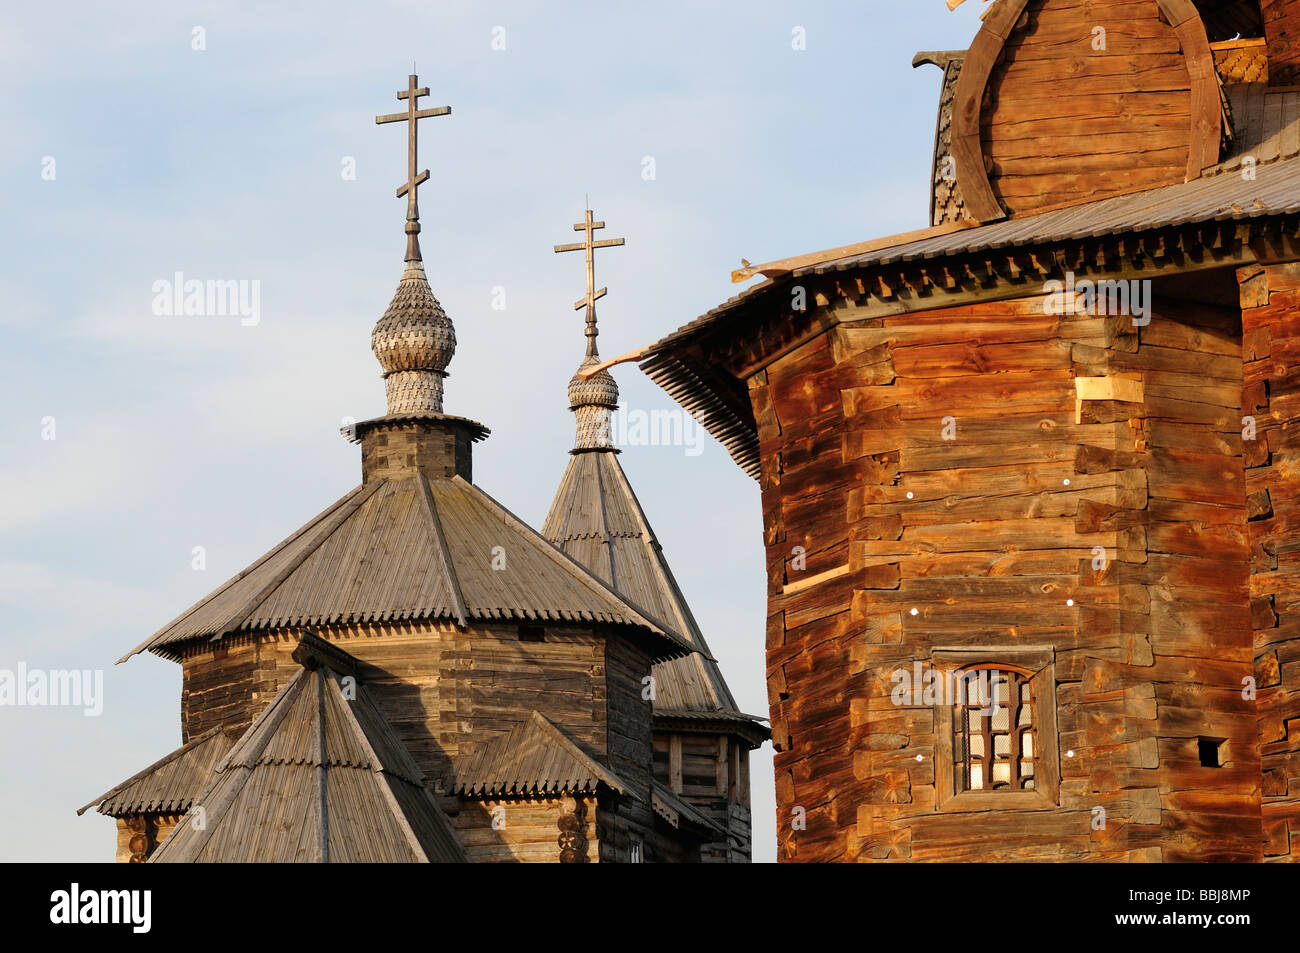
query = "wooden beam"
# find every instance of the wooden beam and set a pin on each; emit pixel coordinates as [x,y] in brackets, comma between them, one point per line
[810,581]
[1124,389]
[636,355]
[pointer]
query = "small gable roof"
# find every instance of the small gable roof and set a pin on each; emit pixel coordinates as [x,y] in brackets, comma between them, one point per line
[535,757]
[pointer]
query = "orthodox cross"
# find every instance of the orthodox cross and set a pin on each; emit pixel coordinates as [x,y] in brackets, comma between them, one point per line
[414,180]
[592,296]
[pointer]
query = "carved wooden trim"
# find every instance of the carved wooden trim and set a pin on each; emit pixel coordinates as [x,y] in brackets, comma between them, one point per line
[968,149]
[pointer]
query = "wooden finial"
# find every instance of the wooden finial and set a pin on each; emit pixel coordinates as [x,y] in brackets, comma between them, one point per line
[592,296]
[413,182]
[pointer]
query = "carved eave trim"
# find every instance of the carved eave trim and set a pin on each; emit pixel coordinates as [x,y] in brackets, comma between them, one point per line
[903,287]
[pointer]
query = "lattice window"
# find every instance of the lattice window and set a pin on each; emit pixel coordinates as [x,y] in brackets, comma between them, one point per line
[994,731]
[996,745]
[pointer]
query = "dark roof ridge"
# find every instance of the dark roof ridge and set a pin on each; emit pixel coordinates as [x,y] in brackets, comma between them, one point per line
[444,553]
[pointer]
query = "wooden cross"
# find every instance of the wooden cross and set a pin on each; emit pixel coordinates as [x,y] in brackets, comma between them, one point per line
[414,180]
[592,296]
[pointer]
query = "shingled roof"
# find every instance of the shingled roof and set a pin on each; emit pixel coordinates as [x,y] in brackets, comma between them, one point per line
[535,757]
[318,777]
[410,549]
[169,784]
[597,519]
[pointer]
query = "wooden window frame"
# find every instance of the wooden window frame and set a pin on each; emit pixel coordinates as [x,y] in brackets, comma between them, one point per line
[1038,664]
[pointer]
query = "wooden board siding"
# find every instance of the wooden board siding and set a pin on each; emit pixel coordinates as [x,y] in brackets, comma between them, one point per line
[1282,32]
[1270,301]
[697,760]
[1063,123]
[997,534]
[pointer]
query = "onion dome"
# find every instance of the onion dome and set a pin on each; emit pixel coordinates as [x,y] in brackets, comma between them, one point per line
[591,400]
[414,342]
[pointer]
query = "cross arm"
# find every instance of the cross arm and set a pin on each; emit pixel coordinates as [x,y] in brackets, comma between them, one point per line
[421,114]
[592,299]
[579,246]
[419,180]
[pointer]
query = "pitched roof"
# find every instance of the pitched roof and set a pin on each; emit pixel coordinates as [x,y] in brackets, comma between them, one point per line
[535,757]
[318,777]
[597,519]
[169,784]
[407,549]
[721,403]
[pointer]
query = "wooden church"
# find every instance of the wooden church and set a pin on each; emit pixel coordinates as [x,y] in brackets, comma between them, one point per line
[416,675]
[1049,445]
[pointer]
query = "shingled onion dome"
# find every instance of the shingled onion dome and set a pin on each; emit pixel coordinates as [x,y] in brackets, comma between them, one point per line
[591,399]
[414,342]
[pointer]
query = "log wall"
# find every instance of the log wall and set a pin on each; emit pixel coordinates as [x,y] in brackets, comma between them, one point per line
[887,540]
[1270,302]
[524,830]
[1282,31]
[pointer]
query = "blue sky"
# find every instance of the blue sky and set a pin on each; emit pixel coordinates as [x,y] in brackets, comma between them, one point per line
[226,163]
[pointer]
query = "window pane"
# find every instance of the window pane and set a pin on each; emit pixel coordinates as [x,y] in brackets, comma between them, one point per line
[1009,730]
